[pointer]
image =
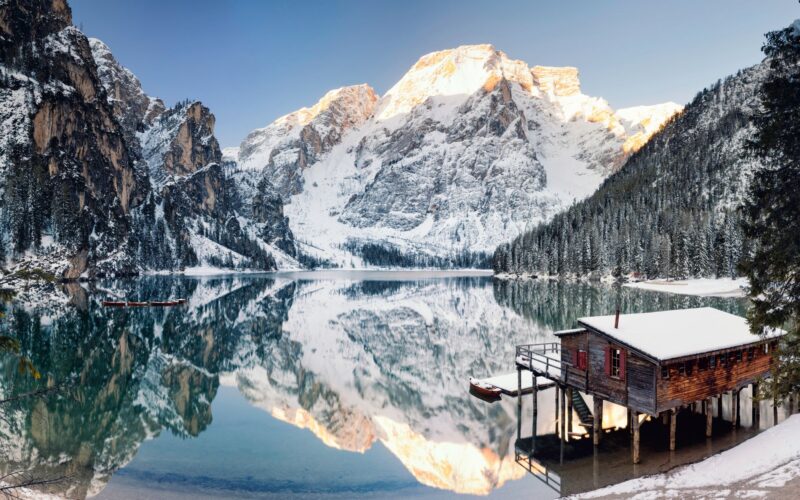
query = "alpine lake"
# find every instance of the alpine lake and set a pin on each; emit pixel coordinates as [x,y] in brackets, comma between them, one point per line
[329,384]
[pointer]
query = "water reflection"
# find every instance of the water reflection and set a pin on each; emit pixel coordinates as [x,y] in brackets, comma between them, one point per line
[354,358]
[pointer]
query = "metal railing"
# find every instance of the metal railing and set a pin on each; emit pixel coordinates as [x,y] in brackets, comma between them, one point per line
[545,358]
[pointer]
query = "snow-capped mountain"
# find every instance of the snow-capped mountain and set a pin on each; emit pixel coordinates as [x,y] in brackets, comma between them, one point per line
[98,178]
[469,148]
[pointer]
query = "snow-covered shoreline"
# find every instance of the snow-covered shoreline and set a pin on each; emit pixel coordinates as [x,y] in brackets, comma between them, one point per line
[702,287]
[758,467]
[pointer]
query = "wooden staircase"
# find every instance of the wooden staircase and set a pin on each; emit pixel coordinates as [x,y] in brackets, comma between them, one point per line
[582,409]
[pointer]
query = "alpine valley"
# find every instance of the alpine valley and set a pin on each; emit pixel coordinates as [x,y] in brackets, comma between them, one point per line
[468,150]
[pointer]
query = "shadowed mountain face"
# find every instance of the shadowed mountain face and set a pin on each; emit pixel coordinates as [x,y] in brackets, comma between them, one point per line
[99,179]
[357,362]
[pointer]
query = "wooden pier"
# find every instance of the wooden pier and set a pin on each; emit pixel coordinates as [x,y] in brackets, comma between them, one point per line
[653,364]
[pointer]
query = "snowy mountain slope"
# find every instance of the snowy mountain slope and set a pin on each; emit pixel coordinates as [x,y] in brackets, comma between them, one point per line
[469,148]
[672,210]
[97,178]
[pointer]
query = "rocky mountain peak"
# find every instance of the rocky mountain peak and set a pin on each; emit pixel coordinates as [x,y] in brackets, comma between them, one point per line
[453,73]
[23,22]
[132,107]
[558,81]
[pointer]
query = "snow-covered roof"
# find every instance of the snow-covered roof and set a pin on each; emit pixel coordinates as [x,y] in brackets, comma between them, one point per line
[674,334]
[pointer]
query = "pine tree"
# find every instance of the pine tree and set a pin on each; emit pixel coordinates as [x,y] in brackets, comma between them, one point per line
[772,212]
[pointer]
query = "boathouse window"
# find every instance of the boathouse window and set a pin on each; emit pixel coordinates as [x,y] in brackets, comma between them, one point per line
[689,367]
[665,372]
[681,369]
[712,362]
[766,348]
[702,364]
[739,355]
[751,353]
[723,359]
[615,362]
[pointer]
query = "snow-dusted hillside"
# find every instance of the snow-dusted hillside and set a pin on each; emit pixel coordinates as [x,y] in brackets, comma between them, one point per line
[468,149]
[97,178]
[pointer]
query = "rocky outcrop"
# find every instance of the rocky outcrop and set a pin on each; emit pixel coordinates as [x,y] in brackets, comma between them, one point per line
[67,175]
[283,150]
[196,210]
[557,81]
[98,178]
[134,109]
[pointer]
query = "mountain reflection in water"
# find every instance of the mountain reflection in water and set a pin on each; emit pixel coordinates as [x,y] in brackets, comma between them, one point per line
[355,358]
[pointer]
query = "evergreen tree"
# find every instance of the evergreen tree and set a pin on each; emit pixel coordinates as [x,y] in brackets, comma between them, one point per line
[772,212]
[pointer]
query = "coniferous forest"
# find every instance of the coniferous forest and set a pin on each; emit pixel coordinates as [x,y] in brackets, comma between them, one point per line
[673,209]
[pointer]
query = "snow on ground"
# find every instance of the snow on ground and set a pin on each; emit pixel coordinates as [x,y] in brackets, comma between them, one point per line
[704,287]
[751,469]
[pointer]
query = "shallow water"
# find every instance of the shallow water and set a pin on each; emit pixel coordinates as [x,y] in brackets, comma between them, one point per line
[330,384]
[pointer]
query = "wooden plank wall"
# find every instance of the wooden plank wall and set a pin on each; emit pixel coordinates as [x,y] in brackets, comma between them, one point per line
[685,389]
[611,389]
[570,344]
[641,384]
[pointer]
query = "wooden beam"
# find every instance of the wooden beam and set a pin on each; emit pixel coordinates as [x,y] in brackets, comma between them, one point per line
[535,398]
[519,403]
[563,414]
[563,422]
[569,411]
[735,408]
[558,413]
[673,424]
[635,425]
[597,428]
[709,418]
[774,411]
[756,405]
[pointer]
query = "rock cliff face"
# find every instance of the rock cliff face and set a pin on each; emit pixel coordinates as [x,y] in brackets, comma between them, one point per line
[285,148]
[98,178]
[67,177]
[469,148]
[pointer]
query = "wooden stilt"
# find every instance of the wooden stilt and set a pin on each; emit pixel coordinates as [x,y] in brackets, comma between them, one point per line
[735,408]
[719,407]
[563,419]
[709,419]
[558,414]
[534,419]
[519,403]
[569,412]
[635,425]
[756,405]
[673,424]
[665,418]
[774,411]
[563,423]
[597,427]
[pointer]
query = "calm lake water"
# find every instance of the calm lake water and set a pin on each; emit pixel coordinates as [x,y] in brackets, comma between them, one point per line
[328,384]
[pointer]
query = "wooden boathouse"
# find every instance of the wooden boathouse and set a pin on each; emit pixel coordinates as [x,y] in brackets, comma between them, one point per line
[651,363]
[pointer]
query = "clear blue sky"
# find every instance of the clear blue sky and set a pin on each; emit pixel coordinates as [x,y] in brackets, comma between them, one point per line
[251,61]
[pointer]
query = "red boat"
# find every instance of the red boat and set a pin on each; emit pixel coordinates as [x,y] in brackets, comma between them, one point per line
[113,303]
[136,304]
[484,389]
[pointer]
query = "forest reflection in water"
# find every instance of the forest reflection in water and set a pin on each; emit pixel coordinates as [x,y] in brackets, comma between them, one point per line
[361,360]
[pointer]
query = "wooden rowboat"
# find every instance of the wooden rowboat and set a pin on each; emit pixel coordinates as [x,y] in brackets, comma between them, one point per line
[484,389]
[113,303]
[164,303]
